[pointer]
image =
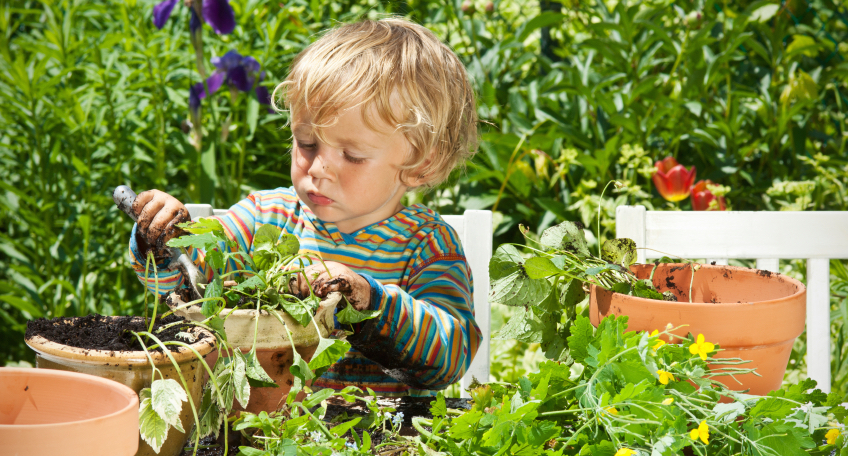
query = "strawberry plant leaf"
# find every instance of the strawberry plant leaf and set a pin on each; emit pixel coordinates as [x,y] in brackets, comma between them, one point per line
[582,333]
[214,289]
[205,225]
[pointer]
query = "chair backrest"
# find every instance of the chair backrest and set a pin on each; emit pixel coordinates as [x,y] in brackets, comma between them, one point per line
[767,237]
[475,233]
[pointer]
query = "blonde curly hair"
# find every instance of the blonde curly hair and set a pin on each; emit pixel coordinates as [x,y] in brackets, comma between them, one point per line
[400,71]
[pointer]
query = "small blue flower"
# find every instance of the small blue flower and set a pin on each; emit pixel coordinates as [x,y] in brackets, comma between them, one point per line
[316,436]
[352,445]
[397,420]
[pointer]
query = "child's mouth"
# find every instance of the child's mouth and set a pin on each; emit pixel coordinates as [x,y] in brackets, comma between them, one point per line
[318,199]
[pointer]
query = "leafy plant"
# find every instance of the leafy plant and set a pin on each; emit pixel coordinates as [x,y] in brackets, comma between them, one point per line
[266,289]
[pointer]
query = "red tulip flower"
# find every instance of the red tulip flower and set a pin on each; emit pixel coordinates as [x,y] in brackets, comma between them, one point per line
[702,198]
[673,180]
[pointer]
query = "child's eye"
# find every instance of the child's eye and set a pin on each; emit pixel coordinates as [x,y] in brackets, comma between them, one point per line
[304,146]
[353,159]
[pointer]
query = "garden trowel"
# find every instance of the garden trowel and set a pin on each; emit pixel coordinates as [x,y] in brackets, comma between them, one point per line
[124,197]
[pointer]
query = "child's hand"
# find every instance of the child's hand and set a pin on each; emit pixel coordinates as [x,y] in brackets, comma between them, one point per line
[158,213]
[341,278]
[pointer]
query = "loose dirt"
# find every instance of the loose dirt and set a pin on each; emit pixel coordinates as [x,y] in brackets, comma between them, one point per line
[98,332]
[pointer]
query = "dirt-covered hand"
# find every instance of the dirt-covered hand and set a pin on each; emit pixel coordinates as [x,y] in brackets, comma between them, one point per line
[158,214]
[340,278]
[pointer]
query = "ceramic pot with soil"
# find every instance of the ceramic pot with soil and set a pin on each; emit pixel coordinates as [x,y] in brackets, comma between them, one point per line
[752,314]
[48,412]
[103,347]
[273,346]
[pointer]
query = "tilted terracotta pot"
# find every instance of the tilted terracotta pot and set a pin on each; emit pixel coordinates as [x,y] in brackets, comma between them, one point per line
[754,315]
[273,347]
[47,412]
[132,368]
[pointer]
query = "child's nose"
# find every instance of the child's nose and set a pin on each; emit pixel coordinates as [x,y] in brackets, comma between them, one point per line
[320,167]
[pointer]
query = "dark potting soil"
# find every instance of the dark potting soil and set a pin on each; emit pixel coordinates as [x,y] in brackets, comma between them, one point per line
[209,446]
[98,332]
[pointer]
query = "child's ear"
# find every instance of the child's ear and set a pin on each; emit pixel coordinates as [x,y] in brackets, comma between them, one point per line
[416,177]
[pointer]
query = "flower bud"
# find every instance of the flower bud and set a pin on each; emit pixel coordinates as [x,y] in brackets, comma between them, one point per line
[467,8]
[490,8]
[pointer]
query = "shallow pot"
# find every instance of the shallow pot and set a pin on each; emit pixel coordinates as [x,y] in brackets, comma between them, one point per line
[132,368]
[49,412]
[273,347]
[752,314]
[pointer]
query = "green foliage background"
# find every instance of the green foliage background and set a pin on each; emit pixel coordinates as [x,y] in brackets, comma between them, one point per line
[573,93]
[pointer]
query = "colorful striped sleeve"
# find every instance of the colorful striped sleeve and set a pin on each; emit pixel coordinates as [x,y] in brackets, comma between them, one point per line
[426,336]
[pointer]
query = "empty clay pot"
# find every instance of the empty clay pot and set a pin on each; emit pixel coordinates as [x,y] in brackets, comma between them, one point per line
[132,368]
[273,347]
[49,412]
[752,314]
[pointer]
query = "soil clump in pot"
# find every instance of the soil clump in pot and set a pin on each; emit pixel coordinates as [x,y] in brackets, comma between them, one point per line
[98,332]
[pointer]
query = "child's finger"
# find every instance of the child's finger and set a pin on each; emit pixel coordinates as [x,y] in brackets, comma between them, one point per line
[147,215]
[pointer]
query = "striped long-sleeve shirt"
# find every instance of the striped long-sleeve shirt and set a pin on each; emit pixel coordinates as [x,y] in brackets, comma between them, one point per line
[426,335]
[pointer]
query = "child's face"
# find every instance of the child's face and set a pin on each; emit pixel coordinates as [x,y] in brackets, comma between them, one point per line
[353,179]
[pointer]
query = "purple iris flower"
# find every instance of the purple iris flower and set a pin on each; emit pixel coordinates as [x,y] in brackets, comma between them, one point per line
[237,71]
[218,13]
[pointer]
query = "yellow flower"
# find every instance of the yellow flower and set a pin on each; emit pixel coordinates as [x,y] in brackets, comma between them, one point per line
[665,377]
[668,401]
[625,452]
[703,431]
[831,436]
[611,410]
[659,343]
[701,347]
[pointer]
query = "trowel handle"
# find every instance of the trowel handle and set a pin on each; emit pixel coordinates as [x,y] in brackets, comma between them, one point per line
[124,198]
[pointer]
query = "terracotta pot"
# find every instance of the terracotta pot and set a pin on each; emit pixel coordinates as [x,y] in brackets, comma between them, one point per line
[132,368]
[46,412]
[273,347]
[754,315]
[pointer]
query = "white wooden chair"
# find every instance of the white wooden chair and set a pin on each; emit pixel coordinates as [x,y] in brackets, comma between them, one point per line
[475,232]
[767,237]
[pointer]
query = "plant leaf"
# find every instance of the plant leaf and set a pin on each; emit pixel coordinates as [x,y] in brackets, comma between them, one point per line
[287,245]
[266,236]
[328,352]
[152,428]
[349,315]
[252,282]
[240,383]
[567,236]
[619,251]
[255,371]
[540,268]
[318,397]
[167,397]
[298,310]
[205,241]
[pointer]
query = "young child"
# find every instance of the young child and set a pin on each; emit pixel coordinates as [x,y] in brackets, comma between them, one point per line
[377,108]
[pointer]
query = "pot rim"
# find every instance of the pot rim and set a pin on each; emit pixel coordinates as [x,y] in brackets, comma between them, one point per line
[182,355]
[119,388]
[709,305]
